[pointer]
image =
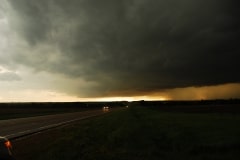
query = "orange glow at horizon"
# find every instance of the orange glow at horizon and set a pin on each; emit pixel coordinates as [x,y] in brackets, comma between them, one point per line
[225,91]
[134,98]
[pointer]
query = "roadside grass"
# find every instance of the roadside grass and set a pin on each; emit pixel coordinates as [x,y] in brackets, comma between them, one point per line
[24,112]
[138,133]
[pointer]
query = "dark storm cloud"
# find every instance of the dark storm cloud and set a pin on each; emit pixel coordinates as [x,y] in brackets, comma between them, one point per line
[132,45]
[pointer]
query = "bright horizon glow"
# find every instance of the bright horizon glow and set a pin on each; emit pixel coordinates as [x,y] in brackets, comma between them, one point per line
[50,96]
[226,91]
[134,98]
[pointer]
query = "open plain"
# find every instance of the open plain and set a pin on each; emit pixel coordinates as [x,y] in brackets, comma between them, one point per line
[142,132]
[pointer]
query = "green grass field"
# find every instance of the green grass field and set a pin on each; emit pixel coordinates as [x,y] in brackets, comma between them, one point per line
[138,133]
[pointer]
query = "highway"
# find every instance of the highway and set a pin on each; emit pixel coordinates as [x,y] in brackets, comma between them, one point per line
[15,128]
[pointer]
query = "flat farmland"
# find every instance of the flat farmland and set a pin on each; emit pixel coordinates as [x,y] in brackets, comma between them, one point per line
[142,132]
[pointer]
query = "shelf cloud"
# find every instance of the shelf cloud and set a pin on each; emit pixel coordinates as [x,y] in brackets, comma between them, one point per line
[127,47]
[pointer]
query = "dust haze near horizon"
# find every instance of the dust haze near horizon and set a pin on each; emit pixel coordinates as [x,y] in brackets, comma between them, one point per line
[58,50]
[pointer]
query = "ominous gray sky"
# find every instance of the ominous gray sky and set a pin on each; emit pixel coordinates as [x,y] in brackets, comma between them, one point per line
[93,48]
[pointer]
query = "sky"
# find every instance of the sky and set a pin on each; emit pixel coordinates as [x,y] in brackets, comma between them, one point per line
[80,50]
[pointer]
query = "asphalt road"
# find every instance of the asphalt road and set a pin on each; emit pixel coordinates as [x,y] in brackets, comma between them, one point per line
[15,128]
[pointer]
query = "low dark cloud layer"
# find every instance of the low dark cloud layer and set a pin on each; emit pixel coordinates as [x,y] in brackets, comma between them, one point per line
[131,46]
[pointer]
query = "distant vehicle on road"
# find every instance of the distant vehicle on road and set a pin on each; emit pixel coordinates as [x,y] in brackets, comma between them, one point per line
[5,149]
[105,108]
